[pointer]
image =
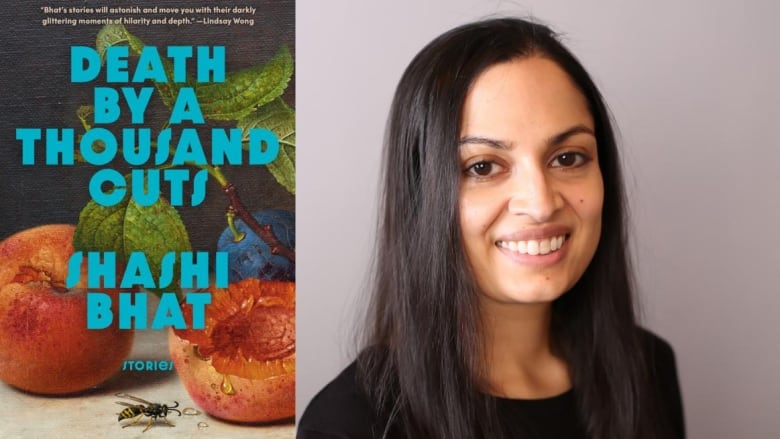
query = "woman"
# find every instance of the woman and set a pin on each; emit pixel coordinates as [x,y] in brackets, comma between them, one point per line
[502,304]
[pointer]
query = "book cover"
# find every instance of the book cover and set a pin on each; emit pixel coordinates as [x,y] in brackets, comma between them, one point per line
[147,219]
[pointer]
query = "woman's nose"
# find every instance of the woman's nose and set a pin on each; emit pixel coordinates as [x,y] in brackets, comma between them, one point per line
[533,194]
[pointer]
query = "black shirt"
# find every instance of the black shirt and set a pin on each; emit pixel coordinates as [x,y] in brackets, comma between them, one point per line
[341,410]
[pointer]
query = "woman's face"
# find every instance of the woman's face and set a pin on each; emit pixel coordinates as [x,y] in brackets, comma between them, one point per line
[531,190]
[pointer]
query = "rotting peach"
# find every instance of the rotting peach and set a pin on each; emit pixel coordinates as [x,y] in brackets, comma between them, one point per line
[45,346]
[241,367]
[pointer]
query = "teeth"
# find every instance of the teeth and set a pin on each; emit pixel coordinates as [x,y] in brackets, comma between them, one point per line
[534,247]
[544,246]
[522,247]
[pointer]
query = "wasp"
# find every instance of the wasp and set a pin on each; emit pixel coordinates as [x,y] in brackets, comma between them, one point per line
[145,408]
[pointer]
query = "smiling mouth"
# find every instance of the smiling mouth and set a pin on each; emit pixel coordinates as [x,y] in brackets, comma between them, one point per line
[534,247]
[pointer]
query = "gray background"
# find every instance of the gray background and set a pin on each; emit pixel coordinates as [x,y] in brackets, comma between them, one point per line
[694,90]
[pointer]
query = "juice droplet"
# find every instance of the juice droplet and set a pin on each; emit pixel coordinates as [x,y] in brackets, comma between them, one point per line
[203,425]
[227,386]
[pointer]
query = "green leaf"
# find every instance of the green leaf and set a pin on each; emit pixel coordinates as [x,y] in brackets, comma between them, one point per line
[128,227]
[99,229]
[155,230]
[240,94]
[117,34]
[279,118]
[245,90]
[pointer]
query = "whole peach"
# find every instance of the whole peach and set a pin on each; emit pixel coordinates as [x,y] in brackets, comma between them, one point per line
[45,346]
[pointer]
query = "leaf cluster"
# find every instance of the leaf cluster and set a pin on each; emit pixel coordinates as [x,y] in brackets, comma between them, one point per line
[251,97]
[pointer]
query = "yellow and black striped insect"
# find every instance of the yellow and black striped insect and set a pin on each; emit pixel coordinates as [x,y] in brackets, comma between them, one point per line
[145,408]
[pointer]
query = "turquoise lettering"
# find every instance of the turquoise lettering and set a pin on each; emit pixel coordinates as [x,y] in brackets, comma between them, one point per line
[99,314]
[84,64]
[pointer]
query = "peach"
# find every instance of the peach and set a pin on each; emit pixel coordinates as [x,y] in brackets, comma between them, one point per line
[231,397]
[45,346]
[241,367]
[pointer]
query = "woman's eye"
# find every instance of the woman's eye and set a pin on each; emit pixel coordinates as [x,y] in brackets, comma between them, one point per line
[569,160]
[482,169]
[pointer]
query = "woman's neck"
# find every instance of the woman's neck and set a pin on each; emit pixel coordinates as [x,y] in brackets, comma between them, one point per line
[520,362]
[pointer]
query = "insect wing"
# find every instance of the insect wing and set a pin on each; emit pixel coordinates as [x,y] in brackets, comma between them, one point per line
[134,398]
[127,404]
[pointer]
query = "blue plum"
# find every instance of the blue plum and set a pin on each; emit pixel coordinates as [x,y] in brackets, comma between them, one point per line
[251,257]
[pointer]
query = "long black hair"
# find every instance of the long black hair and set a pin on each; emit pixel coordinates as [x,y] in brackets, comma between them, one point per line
[423,357]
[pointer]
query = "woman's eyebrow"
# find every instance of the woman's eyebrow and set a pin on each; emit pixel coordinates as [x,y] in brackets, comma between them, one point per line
[561,137]
[554,140]
[472,140]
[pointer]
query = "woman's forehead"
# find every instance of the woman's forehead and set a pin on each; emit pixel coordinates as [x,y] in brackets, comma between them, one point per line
[522,100]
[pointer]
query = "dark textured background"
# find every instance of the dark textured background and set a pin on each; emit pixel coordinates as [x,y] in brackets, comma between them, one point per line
[35,91]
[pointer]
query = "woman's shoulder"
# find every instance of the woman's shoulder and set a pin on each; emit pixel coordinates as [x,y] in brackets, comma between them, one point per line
[339,410]
[654,344]
[660,358]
